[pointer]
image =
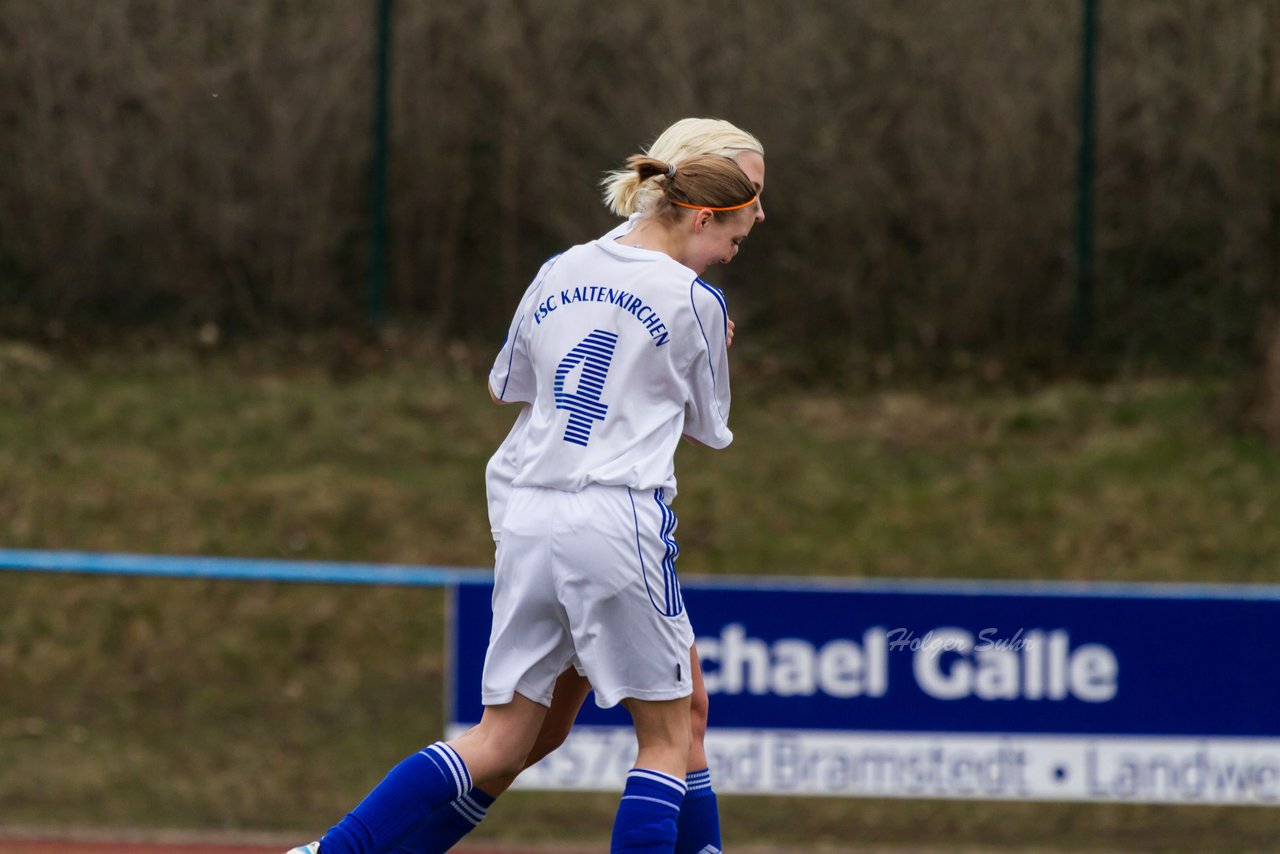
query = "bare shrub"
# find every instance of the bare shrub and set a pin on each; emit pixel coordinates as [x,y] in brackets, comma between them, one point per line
[187,162]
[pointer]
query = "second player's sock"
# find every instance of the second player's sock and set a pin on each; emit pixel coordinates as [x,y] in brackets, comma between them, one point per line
[448,825]
[646,820]
[425,781]
[698,828]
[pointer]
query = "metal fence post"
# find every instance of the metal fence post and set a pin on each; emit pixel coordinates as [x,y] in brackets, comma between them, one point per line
[378,181]
[1082,319]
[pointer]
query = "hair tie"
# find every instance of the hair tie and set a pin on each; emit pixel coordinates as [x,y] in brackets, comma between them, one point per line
[671,170]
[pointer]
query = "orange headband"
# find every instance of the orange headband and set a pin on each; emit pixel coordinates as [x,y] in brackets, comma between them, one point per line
[710,208]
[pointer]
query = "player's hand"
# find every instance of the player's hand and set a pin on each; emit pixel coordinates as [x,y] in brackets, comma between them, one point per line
[729,339]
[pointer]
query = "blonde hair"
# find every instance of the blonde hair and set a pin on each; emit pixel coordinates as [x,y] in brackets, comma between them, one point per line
[625,192]
[708,181]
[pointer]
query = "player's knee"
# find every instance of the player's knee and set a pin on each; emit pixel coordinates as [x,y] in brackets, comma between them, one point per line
[553,734]
[542,749]
[502,753]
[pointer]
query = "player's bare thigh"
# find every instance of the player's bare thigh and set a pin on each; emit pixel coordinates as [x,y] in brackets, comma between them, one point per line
[571,692]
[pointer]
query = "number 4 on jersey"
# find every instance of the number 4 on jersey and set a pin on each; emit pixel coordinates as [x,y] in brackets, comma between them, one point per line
[594,353]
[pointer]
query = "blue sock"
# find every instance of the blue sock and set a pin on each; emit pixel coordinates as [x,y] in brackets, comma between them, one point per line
[446,826]
[698,828]
[425,781]
[646,820]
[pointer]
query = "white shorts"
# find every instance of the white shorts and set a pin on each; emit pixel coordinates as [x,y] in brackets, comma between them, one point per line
[589,574]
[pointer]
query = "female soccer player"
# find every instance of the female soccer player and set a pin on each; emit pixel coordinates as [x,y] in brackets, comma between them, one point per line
[619,349]
[699,821]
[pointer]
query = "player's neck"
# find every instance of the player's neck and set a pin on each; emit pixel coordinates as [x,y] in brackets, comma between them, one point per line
[652,236]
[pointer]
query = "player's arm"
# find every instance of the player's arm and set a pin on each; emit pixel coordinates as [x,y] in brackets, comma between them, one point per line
[727,344]
[707,407]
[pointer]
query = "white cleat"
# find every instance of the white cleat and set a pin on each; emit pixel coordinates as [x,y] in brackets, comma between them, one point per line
[312,848]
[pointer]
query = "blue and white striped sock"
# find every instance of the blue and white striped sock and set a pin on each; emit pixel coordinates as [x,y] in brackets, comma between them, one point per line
[647,813]
[447,826]
[698,828]
[425,781]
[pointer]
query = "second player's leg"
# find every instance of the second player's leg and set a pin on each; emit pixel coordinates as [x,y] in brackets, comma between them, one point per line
[570,693]
[699,709]
[698,819]
[698,826]
[446,827]
[498,746]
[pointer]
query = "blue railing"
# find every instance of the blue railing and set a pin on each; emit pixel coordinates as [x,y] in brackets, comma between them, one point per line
[241,569]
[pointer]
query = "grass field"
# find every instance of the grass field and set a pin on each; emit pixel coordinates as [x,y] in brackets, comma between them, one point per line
[220,705]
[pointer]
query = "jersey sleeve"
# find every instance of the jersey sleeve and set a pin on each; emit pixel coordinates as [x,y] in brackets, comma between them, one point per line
[707,410]
[511,378]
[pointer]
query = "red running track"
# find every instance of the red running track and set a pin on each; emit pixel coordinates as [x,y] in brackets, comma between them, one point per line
[43,844]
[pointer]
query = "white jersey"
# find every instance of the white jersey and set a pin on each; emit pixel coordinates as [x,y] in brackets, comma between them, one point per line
[618,351]
[501,468]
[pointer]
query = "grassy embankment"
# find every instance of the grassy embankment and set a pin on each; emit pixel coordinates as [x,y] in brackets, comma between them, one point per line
[210,704]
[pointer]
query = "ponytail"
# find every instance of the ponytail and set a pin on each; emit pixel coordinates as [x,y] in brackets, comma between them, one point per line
[624,194]
[709,182]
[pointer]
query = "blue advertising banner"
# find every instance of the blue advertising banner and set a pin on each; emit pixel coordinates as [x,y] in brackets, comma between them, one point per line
[1101,692]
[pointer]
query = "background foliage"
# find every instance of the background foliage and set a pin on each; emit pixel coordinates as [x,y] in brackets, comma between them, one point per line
[181,163]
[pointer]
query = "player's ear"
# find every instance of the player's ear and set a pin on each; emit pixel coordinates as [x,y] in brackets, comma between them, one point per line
[701,219]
